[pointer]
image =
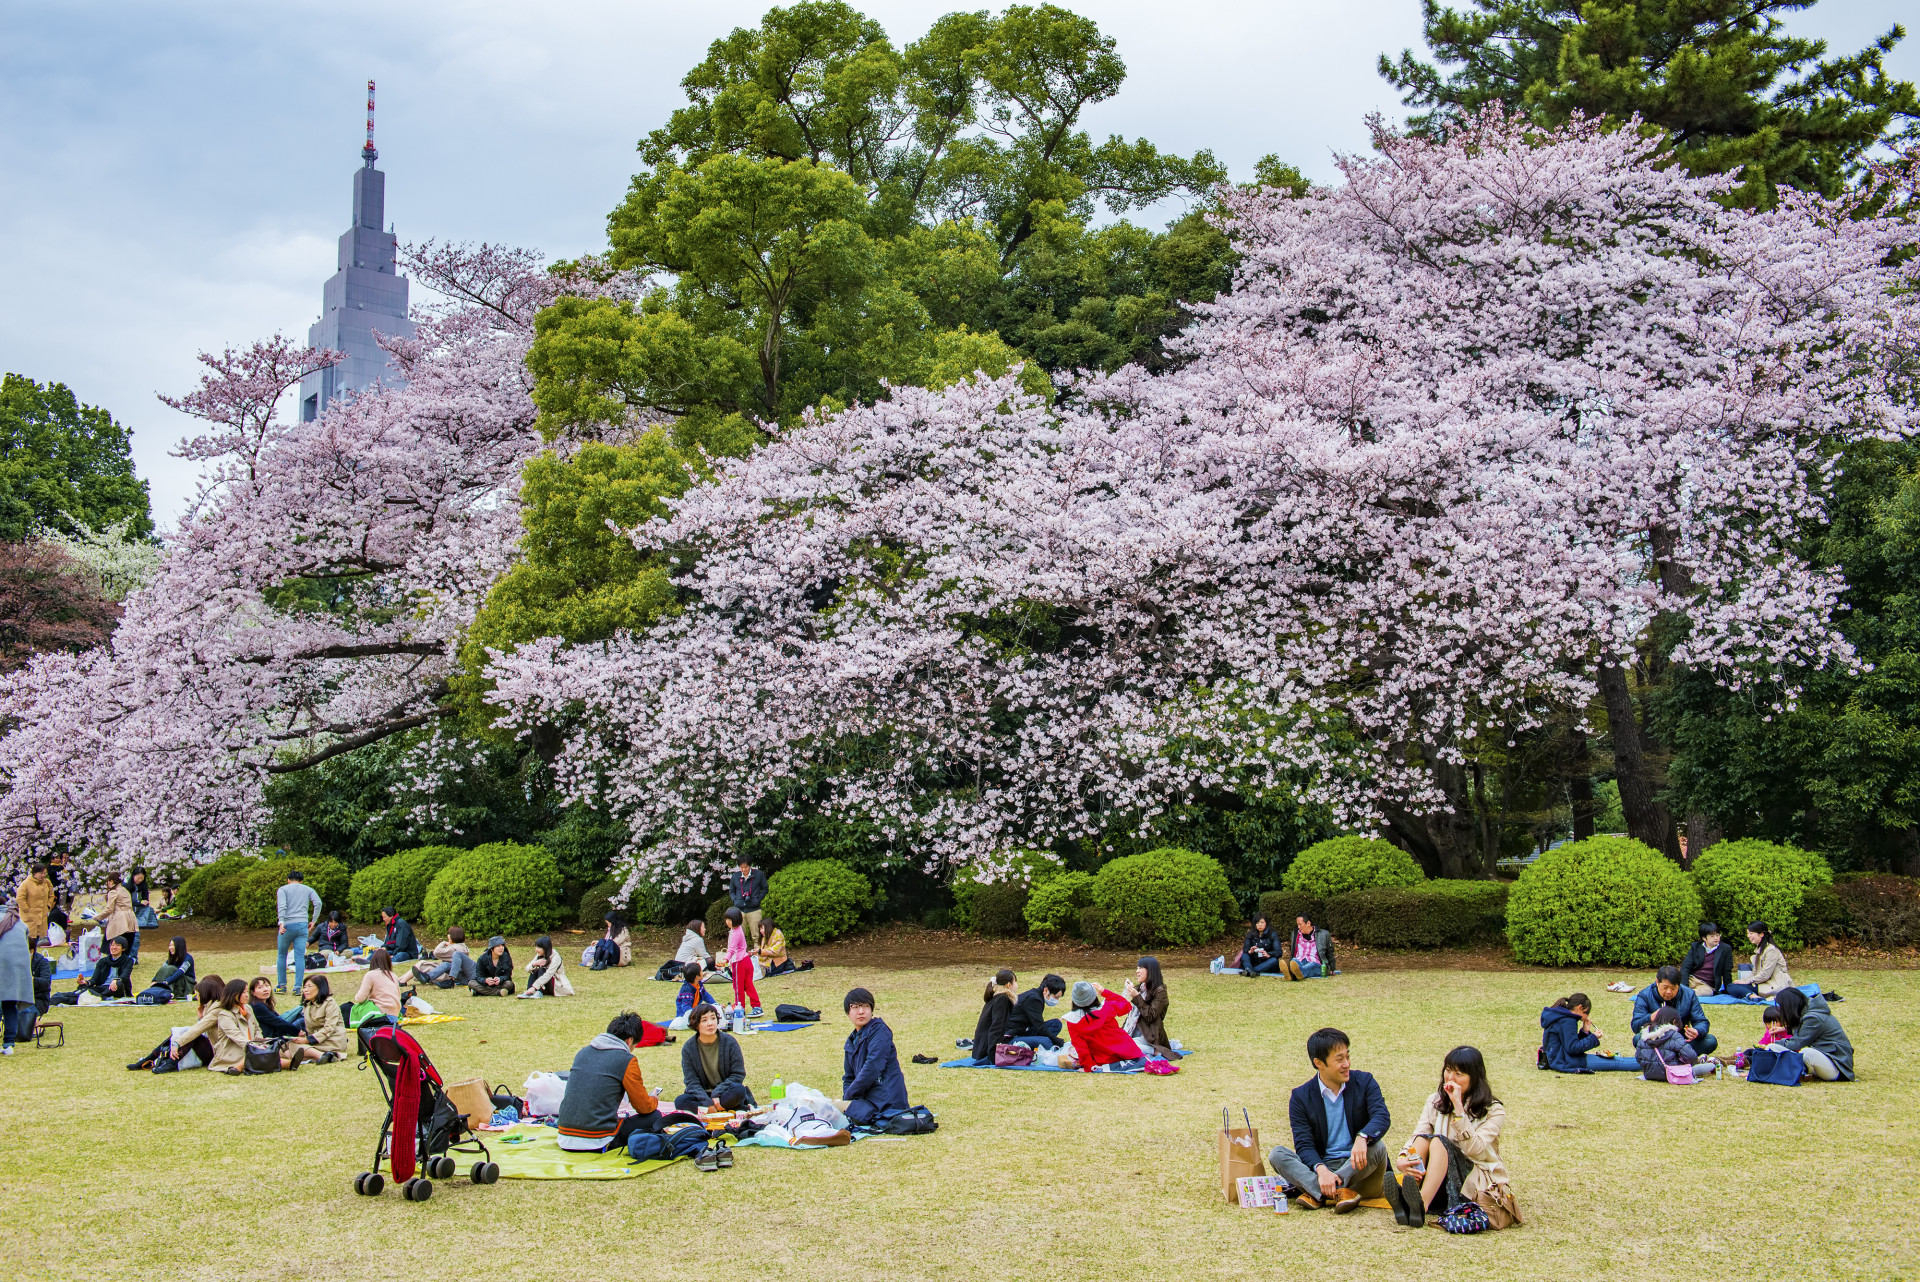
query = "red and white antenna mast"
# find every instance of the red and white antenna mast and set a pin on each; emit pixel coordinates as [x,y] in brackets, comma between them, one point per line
[367,152]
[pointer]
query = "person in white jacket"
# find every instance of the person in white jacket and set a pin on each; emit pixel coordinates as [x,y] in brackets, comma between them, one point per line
[546,973]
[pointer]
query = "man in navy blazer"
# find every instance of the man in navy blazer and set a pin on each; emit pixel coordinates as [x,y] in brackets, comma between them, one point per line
[1340,1122]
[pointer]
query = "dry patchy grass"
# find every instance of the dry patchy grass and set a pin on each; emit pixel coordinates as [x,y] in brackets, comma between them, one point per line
[1031,1175]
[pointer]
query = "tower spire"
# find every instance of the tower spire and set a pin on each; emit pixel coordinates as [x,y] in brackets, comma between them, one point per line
[367,152]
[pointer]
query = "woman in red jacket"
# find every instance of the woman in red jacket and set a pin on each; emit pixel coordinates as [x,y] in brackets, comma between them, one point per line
[1094,1025]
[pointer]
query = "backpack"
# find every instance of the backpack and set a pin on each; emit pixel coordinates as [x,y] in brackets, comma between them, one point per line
[676,1141]
[158,995]
[911,1121]
[787,1013]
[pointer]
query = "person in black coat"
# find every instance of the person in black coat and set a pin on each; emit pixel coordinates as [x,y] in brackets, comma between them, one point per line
[113,975]
[272,1023]
[1709,963]
[493,970]
[1260,951]
[1027,1021]
[400,944]
[1339,1121]
[712,1066]
[871,1081]
[996,1008]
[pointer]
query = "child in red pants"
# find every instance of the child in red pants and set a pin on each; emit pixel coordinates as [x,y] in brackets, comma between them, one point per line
[740,960]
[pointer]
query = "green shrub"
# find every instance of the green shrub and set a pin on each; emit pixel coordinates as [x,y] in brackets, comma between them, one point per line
[816,900]
[1882,910]
[1282,906]
[1182,893]
[717,923]
[1104,928]
[1823,916]
[398,882]
[999,908]
[1606,900]
[644,907]
[1434,914]
[1743,881]
[502,888]
[198,893]
[1025,868]
[257,904]
[1340,864]
[1054,906]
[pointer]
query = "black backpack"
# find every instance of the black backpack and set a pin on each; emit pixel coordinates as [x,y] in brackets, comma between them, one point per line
[912,1121]
[787,1013]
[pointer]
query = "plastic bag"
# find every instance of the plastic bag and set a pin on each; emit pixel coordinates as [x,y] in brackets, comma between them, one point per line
[418,1004]
[1046,1057]
[543,1093]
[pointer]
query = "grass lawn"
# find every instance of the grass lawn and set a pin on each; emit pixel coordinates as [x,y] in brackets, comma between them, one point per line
[122,1175]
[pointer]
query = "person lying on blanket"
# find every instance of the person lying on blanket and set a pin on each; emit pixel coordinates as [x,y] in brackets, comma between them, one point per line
[871,1083]
[1099,1042]
[603,1072]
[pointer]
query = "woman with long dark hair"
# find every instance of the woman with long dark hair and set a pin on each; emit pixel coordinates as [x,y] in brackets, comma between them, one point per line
[996,1006]
[271,1021]
[1816,1034]
[547,973]
[1769,967]
[323,1035]
[1454,1155]
[1147,991]
[1260,950]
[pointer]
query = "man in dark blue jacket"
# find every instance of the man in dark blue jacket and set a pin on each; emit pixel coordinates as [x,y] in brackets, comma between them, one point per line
[872,1083]
[1339,1120]
[1669,989]
[745,889]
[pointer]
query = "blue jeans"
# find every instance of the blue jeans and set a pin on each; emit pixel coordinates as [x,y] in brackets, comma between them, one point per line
[292,936]
[1265,966]
[18,1019]
[1311,970]
[1046,1039]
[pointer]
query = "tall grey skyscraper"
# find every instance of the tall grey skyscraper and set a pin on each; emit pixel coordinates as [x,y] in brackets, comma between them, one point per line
[366,294]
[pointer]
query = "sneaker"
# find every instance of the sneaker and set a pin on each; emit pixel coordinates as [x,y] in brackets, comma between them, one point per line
[1345,1201]
[708,1160]
[925,1059]
[805,965]
[282,990]
[754,1013]
[964,1043]
[7,1049]
[723,1157]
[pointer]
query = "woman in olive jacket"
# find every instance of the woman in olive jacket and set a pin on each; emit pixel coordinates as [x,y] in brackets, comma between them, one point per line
[1148,993]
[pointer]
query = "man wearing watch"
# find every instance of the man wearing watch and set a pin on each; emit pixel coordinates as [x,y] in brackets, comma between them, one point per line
[1339,1119]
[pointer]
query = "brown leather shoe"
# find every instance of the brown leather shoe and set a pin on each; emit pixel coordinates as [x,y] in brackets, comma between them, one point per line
[1307,1202]
[1345,1200]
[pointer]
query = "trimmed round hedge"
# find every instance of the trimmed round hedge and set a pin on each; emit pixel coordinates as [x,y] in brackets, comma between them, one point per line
[644,907]
[212,889]
[1182,893]
[1751,880]
[1054,906]
[1339,864]
[399,882]
[502,888]
[1607,900]
[816,900]
[257,903]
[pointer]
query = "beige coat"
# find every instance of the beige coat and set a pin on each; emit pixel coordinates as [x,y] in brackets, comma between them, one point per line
[1479,1140]
[36,903]
[1770,971]
[116,915]
[325,1029]
[228,1031]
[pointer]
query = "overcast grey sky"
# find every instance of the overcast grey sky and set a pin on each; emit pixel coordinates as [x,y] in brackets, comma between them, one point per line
[176,174]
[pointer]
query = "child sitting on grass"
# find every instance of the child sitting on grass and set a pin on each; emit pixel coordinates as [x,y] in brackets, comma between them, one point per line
[1775,1026]
[1664,1043]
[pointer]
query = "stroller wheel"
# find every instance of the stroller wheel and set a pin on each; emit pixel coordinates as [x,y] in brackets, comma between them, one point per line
[371,1183]
[483,1173]
[441,1168]
[417,1190]
[360,1184]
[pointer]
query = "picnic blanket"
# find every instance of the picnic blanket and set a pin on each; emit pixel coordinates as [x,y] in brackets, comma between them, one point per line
[678,1024]
[1266,974]
[764,1140]
[1042,1068]
[435,1018]
[528,1152]
[1722,999]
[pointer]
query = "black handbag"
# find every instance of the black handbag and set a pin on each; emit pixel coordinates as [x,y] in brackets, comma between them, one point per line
[787,1013]
[262,1057]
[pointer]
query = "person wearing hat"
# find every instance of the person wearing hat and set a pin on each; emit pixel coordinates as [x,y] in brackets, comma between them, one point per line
[872,1085]
[1099,1042]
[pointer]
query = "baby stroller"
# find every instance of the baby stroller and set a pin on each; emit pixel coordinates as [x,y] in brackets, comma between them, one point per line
[422,1123]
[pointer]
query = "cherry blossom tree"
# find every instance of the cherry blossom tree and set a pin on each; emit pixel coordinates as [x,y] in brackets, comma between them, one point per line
[311,600]
[1466,423]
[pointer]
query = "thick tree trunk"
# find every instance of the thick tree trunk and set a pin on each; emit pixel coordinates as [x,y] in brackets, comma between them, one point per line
[1703,831]
[1647,817]
[1580,786]
[1446,843]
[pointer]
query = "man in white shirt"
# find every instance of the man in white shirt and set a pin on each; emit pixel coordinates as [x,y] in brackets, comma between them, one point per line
[299,909]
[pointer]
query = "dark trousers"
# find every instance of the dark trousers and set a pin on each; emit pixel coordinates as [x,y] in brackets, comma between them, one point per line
[18,1018]
[1264,966]
[641,1122]
[1742,990]
[727,1095]
[1047,1039]
[784,968]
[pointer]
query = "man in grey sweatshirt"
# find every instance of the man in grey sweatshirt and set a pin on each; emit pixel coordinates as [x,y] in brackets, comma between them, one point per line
[299,909]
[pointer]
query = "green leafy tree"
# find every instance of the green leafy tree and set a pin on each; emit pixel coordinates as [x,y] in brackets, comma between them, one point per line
[1734,92]
[64,466]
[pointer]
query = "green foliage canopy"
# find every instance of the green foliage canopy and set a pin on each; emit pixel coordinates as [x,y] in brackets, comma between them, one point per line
[1603,901]
[1340,864]
[62,462]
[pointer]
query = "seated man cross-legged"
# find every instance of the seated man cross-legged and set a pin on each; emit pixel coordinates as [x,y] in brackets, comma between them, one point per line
[603,1073]
[1669,989]
[1028,1023]
[1339,1118]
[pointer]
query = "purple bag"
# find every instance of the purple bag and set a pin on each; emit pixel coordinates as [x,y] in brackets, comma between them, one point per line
[1012,1055]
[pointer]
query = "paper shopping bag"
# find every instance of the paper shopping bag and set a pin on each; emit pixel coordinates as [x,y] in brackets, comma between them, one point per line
[1239,1155]
[472,1100]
